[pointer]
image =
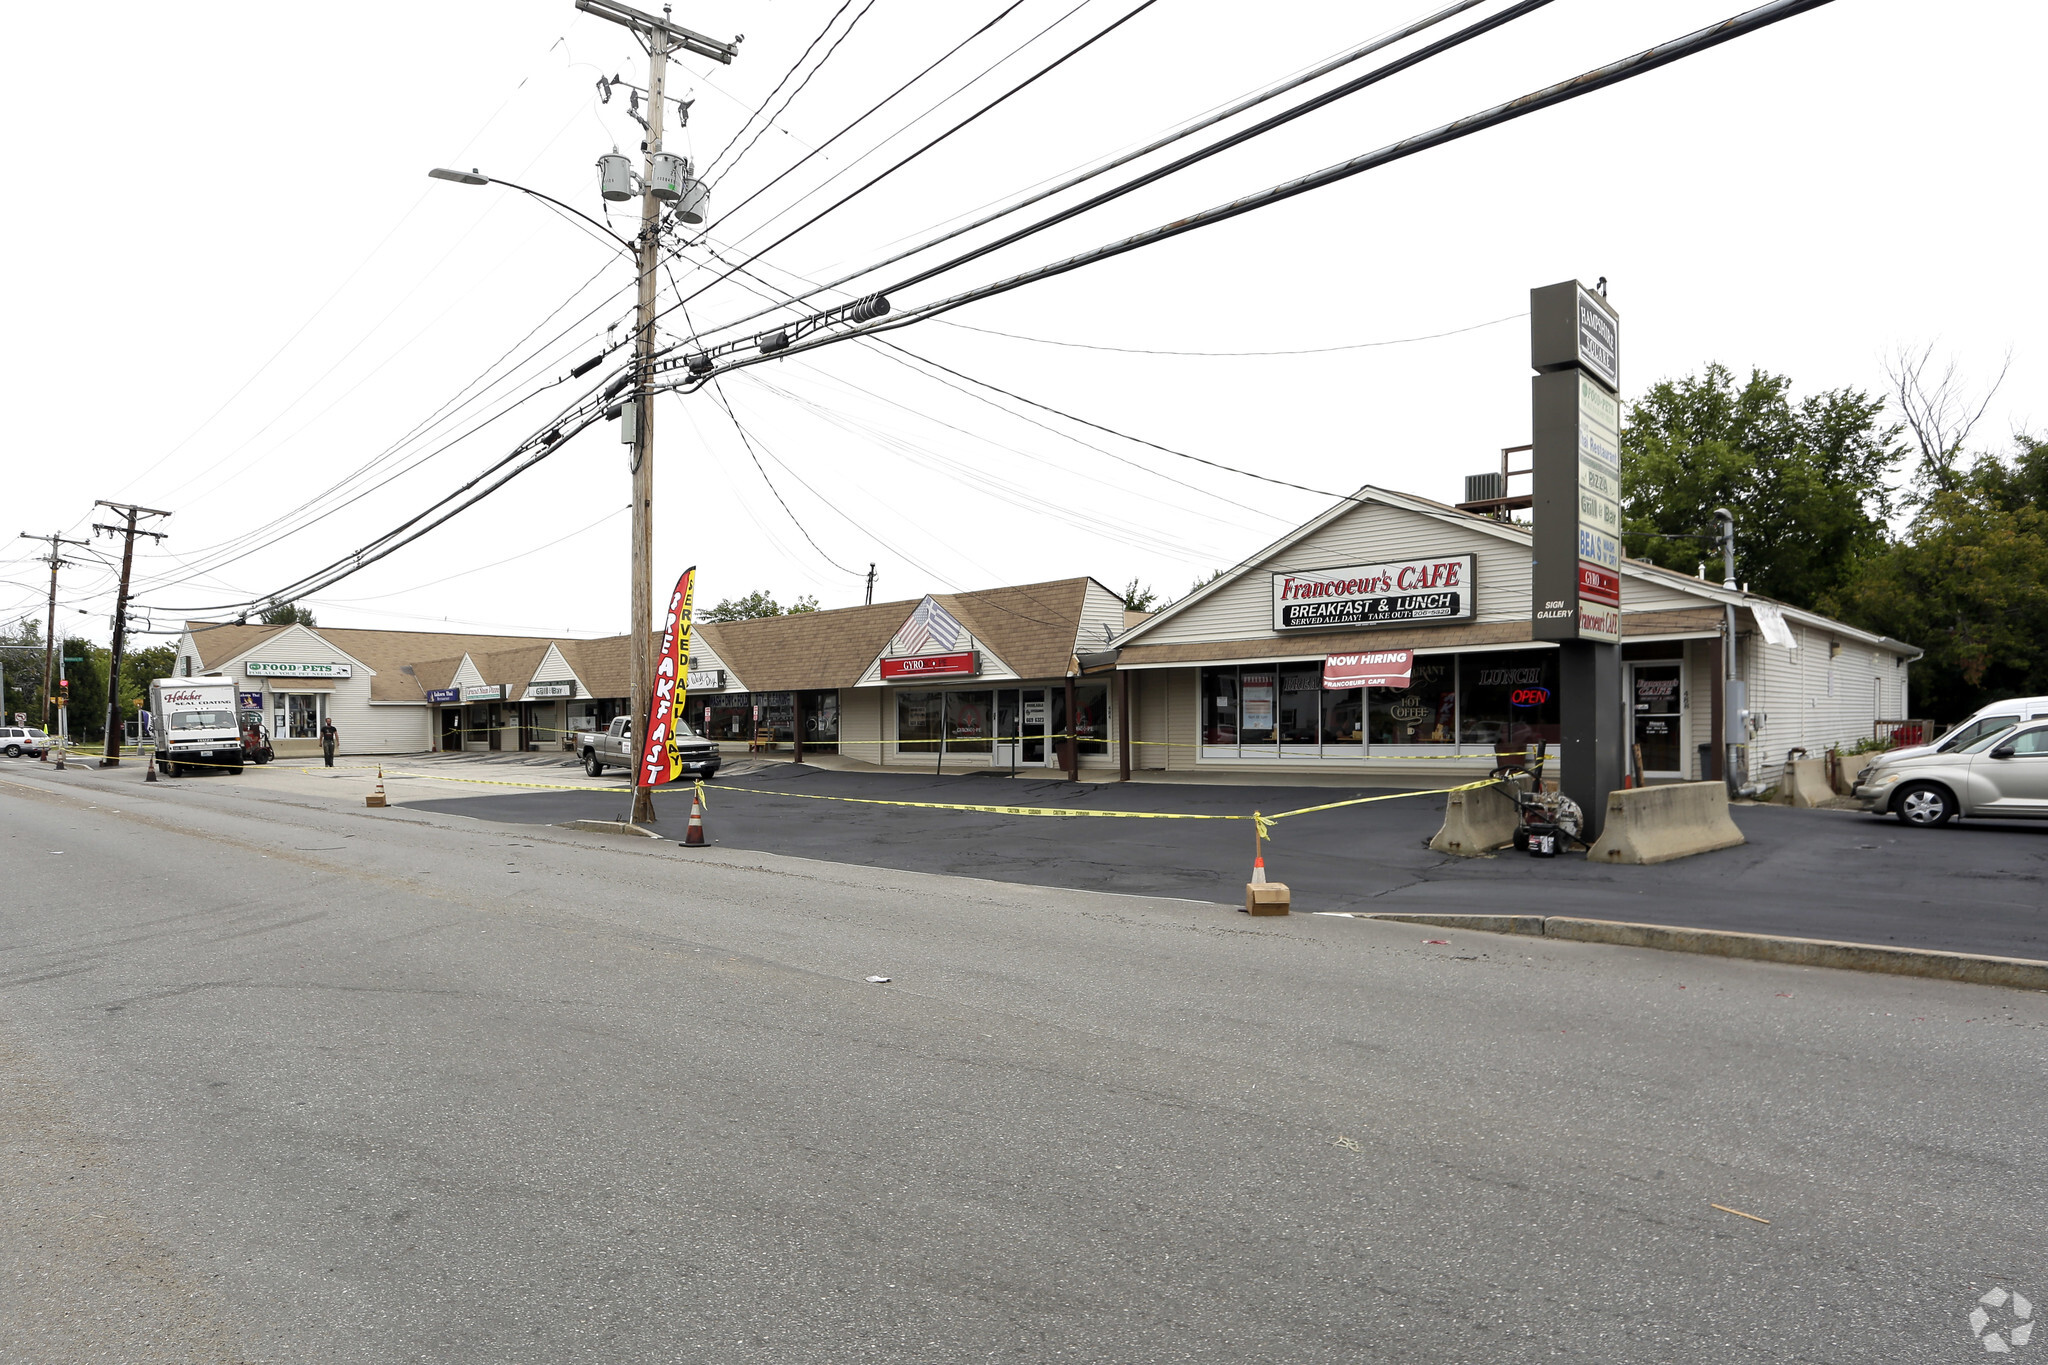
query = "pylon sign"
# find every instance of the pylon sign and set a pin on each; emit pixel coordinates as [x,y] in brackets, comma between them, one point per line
[1575,345]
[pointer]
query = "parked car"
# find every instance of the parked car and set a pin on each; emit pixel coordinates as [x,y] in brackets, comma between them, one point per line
[2000,776]
[16,740]
[1985,720]
[612,747]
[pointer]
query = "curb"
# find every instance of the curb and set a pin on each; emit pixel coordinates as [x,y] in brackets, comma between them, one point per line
[1971,968]
[612,827]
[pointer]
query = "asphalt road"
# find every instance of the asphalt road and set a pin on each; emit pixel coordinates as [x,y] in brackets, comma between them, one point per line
[1973,887]
[292,1080]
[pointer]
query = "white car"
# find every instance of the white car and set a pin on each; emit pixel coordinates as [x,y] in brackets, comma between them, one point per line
[16,740]
[2000,776]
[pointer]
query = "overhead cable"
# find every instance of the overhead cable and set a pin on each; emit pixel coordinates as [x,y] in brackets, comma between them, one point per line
[1627,68]
[1258,97]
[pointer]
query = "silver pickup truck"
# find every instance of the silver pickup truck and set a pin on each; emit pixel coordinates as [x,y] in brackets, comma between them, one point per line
[612,747]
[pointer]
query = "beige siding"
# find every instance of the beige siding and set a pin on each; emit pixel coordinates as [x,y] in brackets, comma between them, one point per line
[1102,617]
[703,656]
[1814,701]
[1150,691]
[860,722]
[1699,702]
[1183,713]
[365,727]
[1373,533]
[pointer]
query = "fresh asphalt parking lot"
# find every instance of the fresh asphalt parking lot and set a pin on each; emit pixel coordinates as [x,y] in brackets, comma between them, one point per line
[283,1078]
[1976,887]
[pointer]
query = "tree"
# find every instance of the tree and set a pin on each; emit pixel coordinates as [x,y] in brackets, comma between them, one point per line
[1968,583]
[1137,598]
[1806,481]
[87,700]
[21,660]
[139,667]
[286,614]
[754,606]
[1939,412]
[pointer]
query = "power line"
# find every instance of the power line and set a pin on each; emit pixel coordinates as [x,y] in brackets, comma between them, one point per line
[748,442]
[1624,69]
[874,108]
[843,36]
[1187,129]
[1043,71]
[1305,350]
[748,121]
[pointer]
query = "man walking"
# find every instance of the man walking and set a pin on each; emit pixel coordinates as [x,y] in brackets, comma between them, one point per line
[330,739]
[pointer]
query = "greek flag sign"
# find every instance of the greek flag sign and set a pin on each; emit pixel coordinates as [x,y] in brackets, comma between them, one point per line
[659,761]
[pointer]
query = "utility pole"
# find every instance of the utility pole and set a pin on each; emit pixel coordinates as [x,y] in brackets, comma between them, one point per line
[1735,706]
[660,37]
[56,561]
[871,585]
[128,531]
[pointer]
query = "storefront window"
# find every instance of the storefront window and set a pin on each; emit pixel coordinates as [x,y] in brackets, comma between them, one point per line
[967,721]
[1301,706]
[301,715]
[1508,700]
[1256,689]
[1424,712]
[727,717]
[920,722]
[1091,718]
[775,721]
[821,719]
[1219,706]
[1343,720]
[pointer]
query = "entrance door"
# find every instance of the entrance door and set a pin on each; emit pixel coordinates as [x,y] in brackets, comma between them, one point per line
[1655,693]
[1035,713]
[1008,732]
[451,729]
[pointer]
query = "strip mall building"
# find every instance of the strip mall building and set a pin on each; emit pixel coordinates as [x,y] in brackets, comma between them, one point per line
[1263,671]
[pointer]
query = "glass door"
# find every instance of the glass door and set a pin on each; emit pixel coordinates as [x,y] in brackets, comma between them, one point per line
[1034,713]
[1655,695]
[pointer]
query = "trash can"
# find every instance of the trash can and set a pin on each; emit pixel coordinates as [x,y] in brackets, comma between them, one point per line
[1706,762]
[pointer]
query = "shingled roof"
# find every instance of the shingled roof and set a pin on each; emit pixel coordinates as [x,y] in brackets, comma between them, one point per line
[1031,628]
[812,649]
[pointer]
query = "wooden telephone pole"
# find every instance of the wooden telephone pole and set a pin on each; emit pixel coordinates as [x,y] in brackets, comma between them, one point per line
[660,37]
[55,559]
[111,754]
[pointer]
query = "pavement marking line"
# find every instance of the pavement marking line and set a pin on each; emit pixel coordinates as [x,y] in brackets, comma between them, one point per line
[1739,1213]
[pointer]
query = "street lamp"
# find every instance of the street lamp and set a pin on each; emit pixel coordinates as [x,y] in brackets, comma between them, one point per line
[470,177]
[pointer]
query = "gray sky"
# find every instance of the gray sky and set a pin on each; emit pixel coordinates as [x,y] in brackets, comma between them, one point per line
[232,285]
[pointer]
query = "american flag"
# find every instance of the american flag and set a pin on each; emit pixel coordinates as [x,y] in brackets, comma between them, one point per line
[931,629]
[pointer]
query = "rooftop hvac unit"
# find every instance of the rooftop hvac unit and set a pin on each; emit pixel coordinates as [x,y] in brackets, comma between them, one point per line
[1481,487]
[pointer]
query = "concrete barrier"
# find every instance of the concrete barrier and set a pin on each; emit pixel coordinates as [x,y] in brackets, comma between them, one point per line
[1851,769]
[1477,822]
[1805,783]
[1657,824]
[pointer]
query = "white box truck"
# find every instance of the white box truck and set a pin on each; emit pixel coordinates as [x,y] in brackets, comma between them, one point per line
[196,723]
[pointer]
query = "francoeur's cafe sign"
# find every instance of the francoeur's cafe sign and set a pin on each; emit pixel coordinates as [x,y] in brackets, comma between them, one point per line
[1437,589]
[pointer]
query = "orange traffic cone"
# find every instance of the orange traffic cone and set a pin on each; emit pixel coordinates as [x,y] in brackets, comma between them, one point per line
[1262,897]
[693,837]
[376,798]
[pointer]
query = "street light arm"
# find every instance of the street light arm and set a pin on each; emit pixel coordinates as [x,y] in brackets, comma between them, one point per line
[479,178]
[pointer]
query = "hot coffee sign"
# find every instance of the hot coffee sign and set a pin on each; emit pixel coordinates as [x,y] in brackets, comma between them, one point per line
[1436,589]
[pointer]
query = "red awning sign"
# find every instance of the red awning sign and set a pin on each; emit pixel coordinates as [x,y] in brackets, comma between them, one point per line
[1379,668]
[964,663]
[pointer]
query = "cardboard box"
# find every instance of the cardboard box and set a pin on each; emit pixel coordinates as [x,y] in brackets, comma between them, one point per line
[1265,898]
